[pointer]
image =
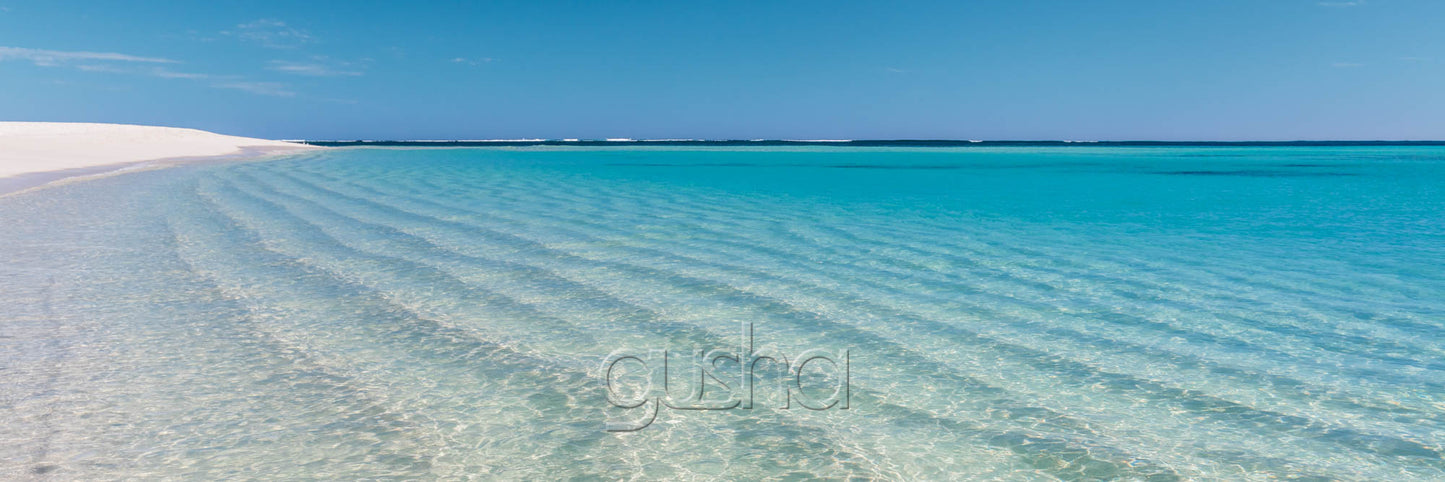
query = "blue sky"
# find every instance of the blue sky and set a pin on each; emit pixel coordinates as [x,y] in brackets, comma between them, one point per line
[1211,70]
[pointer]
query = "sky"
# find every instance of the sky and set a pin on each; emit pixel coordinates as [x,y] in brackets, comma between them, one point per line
[951,69]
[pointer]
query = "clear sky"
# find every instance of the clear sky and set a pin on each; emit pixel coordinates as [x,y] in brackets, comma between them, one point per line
[955,69]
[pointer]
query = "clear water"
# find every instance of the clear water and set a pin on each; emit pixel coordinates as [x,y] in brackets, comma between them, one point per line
[1072,313]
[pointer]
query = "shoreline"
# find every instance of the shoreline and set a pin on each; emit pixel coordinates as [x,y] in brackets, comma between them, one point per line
[32,181]
[34,155]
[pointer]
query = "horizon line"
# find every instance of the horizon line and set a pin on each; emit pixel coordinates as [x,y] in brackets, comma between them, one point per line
[857,142]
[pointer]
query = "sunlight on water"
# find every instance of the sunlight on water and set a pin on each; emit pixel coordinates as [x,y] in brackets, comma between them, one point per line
[1073,313]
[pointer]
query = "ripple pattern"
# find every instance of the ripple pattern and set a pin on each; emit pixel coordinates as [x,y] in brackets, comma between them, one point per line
[1020,312]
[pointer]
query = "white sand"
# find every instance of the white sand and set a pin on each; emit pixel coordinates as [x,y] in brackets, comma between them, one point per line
[35,147]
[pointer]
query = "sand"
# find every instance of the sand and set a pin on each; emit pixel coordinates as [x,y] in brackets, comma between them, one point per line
[30,148]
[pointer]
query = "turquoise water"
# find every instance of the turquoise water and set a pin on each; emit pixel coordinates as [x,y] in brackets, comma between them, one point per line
[1016,312]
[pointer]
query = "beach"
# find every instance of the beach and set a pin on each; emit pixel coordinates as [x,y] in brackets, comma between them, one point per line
[34,153]
[774,241]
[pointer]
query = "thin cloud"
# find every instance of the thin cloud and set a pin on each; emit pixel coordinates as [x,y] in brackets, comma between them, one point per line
[159,72]
[102,68]
[198,36]
[171,74]
[271,33]
[275,89]
[1354,3]
[472,61]
[116,63]
[1346,65]
[52,58]
[321,67]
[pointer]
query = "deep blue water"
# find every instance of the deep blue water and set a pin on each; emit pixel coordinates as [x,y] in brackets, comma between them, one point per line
[1035,311]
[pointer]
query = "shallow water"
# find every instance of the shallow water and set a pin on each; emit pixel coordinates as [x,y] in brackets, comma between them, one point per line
[1029,312]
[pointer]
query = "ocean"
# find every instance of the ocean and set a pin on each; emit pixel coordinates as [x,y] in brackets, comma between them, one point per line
[694,311]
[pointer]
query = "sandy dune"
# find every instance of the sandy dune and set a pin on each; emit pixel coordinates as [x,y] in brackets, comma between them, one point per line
[36,147]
